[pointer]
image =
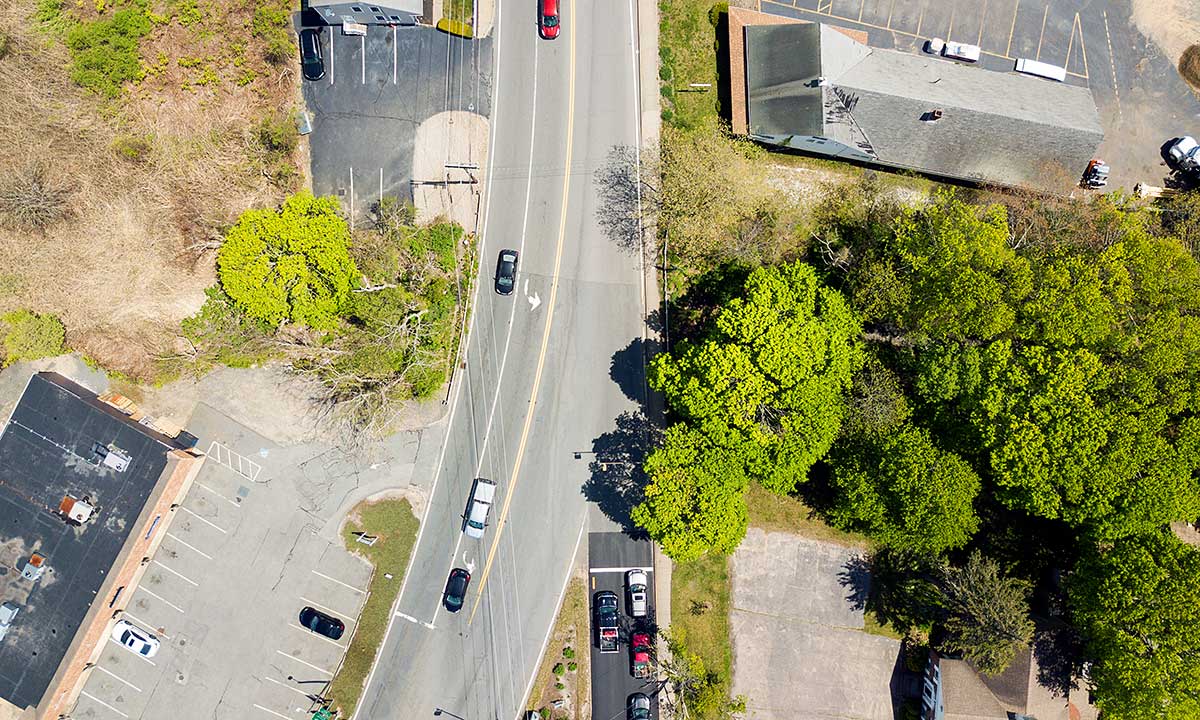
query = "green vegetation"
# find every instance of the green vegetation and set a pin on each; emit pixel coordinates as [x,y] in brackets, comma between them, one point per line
[271,24]
[393,522]
[462,11]
[699,636]
[29,336]
[986,614]
[571,626]
[105,51]
[687,34]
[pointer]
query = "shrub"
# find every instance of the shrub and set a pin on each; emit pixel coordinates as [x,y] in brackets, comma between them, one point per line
[559,686]
[132,147]
[30,336]
[270,23]
[33,198]
[544,713]
[557,669]
[277,138]
[105,51]
[572,667]
[569,652]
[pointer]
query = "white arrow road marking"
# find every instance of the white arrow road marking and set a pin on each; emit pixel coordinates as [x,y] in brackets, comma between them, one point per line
[534,301]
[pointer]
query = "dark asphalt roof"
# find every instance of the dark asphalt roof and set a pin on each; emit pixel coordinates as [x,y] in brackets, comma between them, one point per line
[997,127]
[46,453]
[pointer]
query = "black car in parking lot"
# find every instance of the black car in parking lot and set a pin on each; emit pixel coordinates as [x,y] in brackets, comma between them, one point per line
[456,589]
[312,61]
[322,624]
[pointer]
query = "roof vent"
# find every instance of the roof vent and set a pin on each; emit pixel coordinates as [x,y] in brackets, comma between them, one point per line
[932,116]
[8,613]
[34,568]
[110,456]
[79,511]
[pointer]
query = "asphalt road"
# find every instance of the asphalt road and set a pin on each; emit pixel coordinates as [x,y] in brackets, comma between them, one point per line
[610,555]
[536,387]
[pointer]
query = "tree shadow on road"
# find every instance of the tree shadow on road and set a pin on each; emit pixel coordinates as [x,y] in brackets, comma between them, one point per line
[628,368]
[617,482]
[627,197]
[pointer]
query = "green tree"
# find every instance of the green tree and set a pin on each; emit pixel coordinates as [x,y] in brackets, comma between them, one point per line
[904,490]
[696,500]
[703,691]
[1137,602]
[986,613]
[29,336]
[291,264]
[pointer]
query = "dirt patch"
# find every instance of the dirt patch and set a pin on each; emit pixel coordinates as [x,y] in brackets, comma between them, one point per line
[566,662]
[457,138]
[1189,66]
[1172,25]
[153,176]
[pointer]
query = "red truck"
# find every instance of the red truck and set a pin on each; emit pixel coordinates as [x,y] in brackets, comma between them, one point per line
[639,655]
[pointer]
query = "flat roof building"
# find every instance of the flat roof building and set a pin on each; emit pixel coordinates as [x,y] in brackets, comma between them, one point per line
[822,89]
[86,493]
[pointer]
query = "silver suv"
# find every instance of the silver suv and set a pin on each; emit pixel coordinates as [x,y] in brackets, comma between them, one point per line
[483,491]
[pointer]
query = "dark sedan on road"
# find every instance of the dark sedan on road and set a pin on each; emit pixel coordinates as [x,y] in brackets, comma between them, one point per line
[456,589]
[638,707]
[506,272]
[322,624]
[312,61]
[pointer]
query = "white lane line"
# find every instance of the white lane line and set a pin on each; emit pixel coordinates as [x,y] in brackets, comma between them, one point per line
[86,694]
[316,604]
[362,55]
[125,649]
[620,569]
[214,492]
[260,707]
[161,598]
[339,582]
[306,631]
[412,619]
[206,521]
[550,628]
[178,574]
[191,547]
[298,691]
[145,624]
[314,667]
[332,64]
[394,53]
[118,678]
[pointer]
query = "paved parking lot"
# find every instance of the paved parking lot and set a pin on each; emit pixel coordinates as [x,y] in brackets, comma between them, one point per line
[610,555]
[377,90]
[1142,100]
[248,548]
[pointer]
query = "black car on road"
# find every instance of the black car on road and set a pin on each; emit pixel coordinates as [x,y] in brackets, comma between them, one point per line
[456,589]
[312,61]
[638,707]
[322,624]
[506,272]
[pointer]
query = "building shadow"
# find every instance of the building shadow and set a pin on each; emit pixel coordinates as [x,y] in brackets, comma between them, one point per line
[724,95]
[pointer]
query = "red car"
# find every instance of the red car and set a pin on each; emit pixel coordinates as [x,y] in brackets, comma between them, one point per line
[548,18]
[639,650]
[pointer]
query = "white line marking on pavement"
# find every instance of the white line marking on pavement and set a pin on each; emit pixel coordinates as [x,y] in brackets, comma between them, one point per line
[177,574]
[214,492]
[145,624]
[86,694]
[316,604]
[620,569]
[298,691]
[332,59]
[204,520]
[236,462]
[362,55]
[161,598]
[293,657]
[143,657]
[319,637]
[394,57]
[260,707]
[193,548]
[118,678]
[339,582]
[550,628]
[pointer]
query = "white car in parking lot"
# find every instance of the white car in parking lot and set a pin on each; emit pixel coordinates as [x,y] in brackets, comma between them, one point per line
[635,587]
[135,639]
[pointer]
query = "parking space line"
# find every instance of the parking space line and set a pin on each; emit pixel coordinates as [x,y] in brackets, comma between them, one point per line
[214,492]
[313,634]
[362,55]
[339,582]
[139,655]
[861,5]
[236,462]
[117,678]
[314,667]
[298,691]
[332,57]
[1012,28]
[160,598]
[920,19]
[145,624]
[827,4]
[260,707]
[206,521]
[395,59]
[193,548]
[1112,63]
[1042,35]
[620,569]
[982,20]
[179,575]
[329,610]
[1082,47]
[890,9]
[950,26]
[86,694]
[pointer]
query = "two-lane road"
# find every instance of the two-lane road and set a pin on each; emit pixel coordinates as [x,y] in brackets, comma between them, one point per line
[536,386]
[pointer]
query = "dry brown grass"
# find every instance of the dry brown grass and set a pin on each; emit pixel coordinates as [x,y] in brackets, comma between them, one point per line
[1189,66]
[122,268]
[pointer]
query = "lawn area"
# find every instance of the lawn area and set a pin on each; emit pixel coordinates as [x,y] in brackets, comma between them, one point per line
[700,598]
[460,10]
[686,37]
[569,646]
[393,522]
[773,512]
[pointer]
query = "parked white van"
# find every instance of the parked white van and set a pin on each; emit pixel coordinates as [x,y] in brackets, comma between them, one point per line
[961,51]
[483,491]
[1041,69]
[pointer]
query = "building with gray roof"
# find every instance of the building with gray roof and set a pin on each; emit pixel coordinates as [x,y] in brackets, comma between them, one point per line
[815,88]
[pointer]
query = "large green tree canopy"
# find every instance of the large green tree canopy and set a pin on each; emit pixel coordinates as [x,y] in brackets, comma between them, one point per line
[1137,602]
[290,265]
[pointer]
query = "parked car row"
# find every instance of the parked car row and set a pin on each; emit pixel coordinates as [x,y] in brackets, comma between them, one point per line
[606,613]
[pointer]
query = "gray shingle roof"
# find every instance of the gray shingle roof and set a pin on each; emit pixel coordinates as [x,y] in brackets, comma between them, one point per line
[995,127]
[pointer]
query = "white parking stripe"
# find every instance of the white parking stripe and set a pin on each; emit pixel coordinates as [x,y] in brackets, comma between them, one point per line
[86,694]
[214,492]
[178,574]
[143,657]
[193,548]
[117,678]
[160,598]
[298,691]
[145,624]
[620,569]
[260,707]
[206,521]
[339,582]
[316,604]
[314,667]
[319,637]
